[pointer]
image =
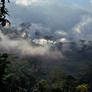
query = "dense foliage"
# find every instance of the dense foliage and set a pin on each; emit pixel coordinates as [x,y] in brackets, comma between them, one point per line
[27,75]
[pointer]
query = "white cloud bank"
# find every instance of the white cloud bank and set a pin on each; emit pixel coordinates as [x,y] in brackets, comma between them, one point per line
[85,21]
[91,1]
[24,47]
[27,2]
[82,30]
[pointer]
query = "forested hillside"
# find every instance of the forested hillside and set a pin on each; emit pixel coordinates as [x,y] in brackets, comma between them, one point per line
[35,59]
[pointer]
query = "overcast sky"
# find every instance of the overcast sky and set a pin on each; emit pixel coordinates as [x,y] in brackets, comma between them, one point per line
[23,8]
[66,15]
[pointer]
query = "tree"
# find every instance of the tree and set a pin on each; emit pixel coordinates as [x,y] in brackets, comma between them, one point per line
[86,77]
[3,65]
[42,86]
[69,84]
[3,13]
[82,88]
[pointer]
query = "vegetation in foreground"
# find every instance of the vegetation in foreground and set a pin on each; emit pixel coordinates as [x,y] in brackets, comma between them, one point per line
[26,76]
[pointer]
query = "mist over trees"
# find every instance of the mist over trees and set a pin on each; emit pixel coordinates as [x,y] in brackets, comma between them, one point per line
[43,69]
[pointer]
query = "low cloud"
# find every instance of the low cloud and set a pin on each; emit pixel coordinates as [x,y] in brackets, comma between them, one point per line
[83,27]
[24,47]
[21,45]
[25,50]
[60,32]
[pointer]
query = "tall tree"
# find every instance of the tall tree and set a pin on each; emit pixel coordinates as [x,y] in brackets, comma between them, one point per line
[3,13]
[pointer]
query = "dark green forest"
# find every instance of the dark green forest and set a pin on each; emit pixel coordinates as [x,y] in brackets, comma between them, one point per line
[29,74]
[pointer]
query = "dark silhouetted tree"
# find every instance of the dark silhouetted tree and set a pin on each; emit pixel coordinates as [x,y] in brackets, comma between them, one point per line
[3,13]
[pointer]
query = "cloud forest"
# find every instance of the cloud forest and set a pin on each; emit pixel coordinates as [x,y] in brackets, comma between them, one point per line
[45,45]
